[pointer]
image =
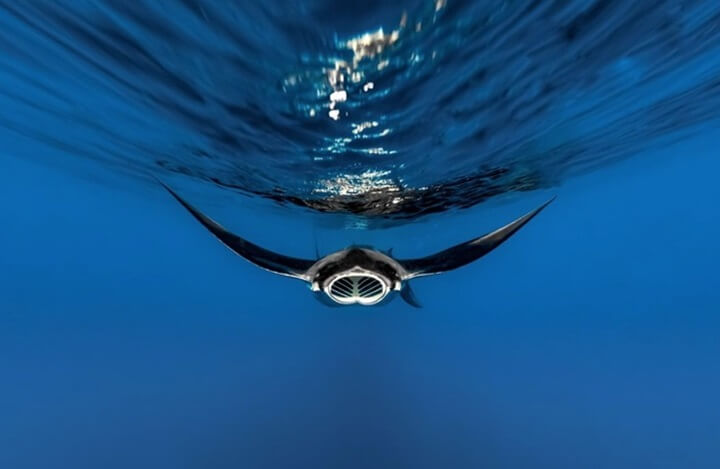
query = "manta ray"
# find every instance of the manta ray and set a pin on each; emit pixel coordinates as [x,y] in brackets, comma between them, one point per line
[360,275]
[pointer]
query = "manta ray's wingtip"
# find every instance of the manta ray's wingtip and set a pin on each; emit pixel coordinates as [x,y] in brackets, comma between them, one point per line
[469,251]
[541,207]
[162,184]
[176,196]
[548,202]
[509,229]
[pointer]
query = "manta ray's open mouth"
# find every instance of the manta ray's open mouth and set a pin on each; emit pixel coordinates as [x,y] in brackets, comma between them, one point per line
[355,287]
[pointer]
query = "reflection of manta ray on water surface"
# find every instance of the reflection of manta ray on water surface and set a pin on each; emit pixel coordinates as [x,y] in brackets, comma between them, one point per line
[361,275]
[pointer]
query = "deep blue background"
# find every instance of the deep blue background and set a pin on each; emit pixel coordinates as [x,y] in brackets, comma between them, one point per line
[130,338]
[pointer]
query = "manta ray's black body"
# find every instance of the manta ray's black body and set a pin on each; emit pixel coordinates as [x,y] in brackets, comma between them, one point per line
[360,275]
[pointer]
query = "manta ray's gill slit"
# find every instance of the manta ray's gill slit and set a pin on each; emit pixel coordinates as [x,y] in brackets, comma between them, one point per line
[344,284]
[342,287]
[368,286]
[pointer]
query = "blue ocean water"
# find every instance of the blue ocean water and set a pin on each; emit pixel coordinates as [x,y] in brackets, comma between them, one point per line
[129,337]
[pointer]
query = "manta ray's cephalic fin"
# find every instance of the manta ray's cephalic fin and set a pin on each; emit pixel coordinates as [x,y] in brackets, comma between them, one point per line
[408,295]
[465,253]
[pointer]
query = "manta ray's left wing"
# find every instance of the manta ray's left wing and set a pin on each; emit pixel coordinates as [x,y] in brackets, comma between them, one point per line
[268,260]
[462,254]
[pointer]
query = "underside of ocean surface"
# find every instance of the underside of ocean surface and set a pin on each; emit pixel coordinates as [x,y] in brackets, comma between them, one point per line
[131,338]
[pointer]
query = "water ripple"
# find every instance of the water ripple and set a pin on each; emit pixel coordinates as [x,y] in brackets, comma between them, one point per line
[381,110]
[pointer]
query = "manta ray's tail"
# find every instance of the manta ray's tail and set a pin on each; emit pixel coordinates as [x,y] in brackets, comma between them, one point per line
[408,295]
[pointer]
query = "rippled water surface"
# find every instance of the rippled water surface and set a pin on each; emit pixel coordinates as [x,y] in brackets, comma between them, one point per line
[381,109]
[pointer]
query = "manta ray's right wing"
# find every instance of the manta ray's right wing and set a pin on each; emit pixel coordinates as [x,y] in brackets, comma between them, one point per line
[465,253]
[263,258]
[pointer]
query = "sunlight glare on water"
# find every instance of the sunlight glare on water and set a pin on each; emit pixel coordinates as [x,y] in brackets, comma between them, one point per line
[375,109]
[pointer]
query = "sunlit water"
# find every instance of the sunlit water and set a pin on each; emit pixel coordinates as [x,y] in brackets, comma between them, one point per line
[130,338]
[372,108]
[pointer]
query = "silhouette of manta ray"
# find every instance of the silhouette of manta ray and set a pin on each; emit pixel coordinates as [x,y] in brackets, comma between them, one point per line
[360,275]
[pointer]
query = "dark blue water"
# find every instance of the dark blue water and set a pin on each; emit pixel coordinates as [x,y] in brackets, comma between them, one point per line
[358,107]
[130,338]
